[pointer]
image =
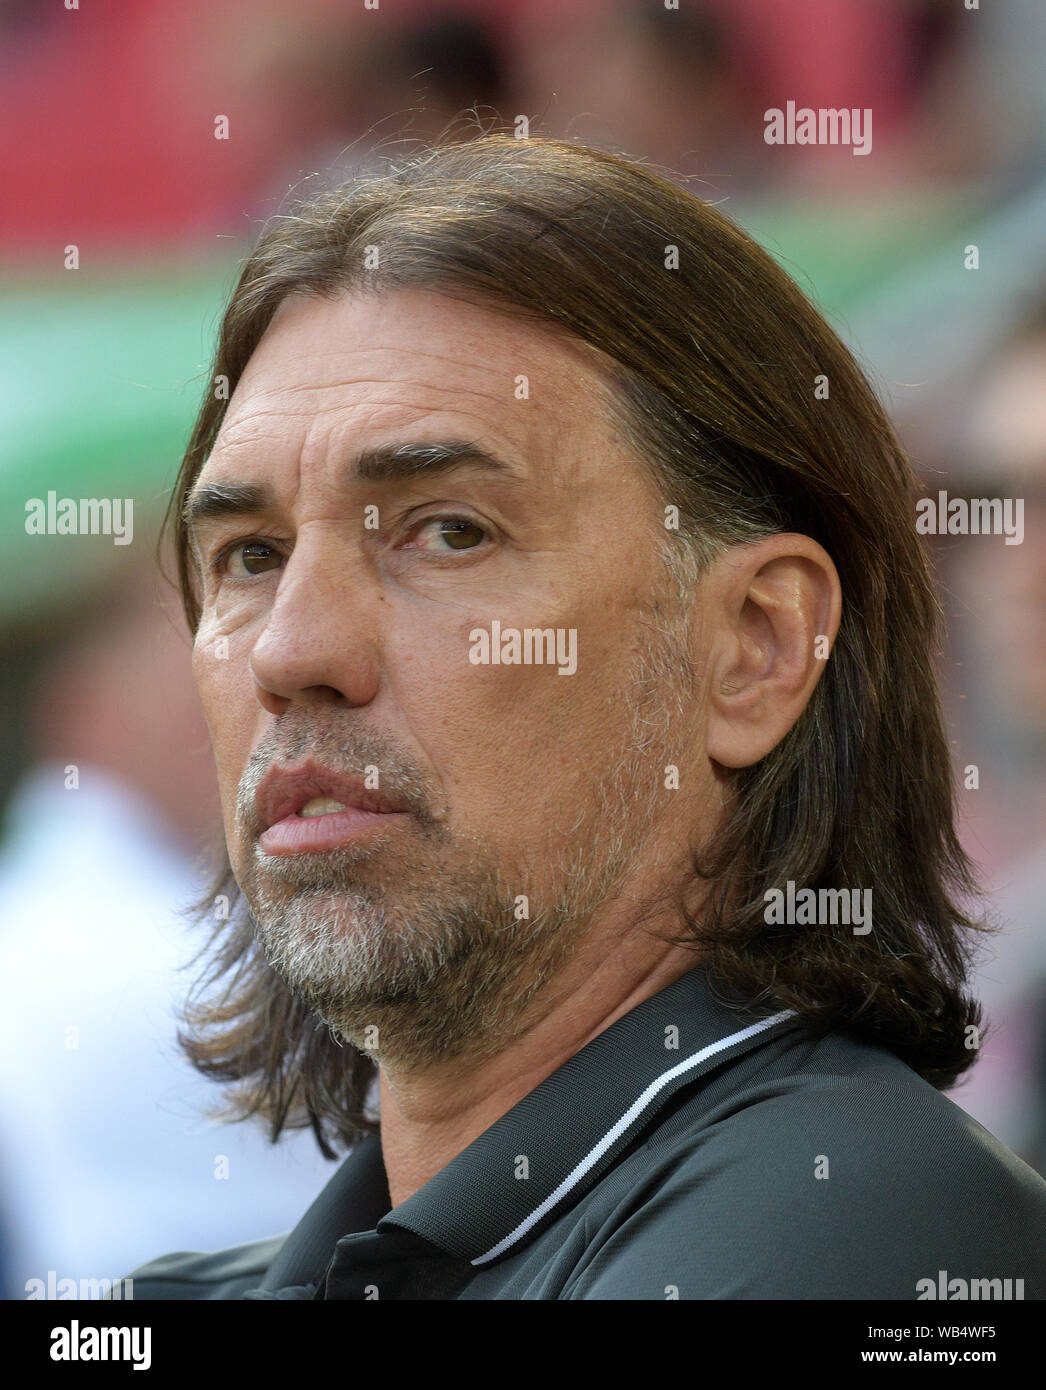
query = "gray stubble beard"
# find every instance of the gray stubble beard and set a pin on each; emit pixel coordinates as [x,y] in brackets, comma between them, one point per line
[452,968]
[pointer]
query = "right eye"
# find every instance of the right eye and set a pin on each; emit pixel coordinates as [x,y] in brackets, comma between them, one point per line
[247,558]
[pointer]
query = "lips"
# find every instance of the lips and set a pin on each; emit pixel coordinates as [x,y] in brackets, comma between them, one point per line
[338,807]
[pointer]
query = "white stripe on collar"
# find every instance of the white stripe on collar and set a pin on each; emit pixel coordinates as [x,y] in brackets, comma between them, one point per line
[634,1110]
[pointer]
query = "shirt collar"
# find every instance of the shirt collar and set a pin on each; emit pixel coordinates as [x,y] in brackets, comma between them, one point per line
[553,1146]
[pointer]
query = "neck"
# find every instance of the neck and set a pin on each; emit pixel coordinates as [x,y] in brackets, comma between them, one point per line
[428,1116]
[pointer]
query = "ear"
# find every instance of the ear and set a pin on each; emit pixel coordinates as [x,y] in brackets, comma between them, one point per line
[772,617]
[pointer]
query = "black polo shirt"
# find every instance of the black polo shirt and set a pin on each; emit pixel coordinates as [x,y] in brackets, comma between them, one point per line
[689,1151]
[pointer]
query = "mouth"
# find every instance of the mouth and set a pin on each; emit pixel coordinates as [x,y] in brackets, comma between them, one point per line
[307,808]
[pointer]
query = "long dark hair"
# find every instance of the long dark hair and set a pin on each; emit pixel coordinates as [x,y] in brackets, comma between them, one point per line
[753,419]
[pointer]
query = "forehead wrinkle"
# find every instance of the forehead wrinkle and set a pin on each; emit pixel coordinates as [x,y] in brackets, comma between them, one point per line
[528,346]
[515,447]
[537,343]
[476,360]
[534,436]
[440,388]
[333,354]
[250,416]
[330,359]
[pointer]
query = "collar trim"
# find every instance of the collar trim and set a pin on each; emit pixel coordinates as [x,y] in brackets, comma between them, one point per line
[623,1124]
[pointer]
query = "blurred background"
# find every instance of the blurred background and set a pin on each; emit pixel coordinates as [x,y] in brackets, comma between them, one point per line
[128,202]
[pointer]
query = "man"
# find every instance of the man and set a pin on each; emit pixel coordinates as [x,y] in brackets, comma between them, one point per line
[565,641]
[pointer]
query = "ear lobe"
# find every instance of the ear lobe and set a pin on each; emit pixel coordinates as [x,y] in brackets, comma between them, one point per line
[777,611]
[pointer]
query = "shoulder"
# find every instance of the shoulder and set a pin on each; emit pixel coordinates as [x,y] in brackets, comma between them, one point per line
[849,1177]
[194,1274]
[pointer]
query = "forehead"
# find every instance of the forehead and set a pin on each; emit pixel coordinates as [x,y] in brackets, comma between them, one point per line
[338,373]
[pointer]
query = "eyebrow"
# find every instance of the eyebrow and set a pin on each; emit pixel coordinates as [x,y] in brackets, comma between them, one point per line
[386,463]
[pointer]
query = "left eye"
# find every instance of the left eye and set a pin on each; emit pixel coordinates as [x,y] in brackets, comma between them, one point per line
[449,533]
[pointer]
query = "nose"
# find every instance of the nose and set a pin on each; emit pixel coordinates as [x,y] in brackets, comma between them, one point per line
[320,642]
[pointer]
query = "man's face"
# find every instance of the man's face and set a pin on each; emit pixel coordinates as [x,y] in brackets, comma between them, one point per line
[466,819]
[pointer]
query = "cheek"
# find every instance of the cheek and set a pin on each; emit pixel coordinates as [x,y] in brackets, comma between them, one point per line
[226,695]
[509,742]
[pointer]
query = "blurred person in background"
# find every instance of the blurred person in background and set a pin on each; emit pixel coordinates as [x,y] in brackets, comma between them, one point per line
[664,83]
[353,86]
[99,1111]
[689,88]
[997,621]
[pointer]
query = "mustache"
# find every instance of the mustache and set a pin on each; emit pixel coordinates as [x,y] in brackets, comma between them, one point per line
[339,745]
